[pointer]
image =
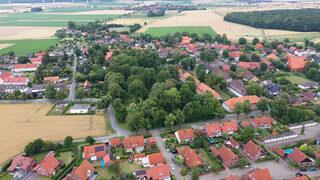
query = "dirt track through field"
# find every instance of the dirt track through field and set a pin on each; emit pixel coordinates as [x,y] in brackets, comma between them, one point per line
[22,123]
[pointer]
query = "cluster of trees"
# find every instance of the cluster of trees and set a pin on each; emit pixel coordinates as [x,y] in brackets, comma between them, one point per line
[52,93]
[152,13]
[17,95]
[286,115]
[36,9]
[294,20]
[147,94]
[311,71]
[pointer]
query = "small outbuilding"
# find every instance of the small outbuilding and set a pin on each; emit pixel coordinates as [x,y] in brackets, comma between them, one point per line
[80,108]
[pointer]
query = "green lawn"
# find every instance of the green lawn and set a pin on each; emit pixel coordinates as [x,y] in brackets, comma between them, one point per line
[206,157]
[6,176]
[223,94]
[162,31]
[39,157]
[294,79]
[104,172]
[71,10]
[66,157]
[127,168]
[28,46]
[48,20]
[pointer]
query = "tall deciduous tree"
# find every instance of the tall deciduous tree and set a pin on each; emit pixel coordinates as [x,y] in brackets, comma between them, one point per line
[169,121]
[263,105]
[50,92]
[80,93]
[247,109]
[238,109]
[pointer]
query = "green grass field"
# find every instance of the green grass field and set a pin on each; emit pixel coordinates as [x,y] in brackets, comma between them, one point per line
[49,20]
[162,31]
[28,46]
[70,10]
[294,79]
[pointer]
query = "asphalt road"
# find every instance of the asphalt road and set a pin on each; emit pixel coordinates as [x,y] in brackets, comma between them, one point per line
[73,84]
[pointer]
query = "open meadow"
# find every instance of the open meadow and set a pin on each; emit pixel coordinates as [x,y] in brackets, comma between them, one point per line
[22,123]
[27,45]
[162,31]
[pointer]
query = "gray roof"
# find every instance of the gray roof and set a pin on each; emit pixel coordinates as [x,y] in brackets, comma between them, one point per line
[80,106]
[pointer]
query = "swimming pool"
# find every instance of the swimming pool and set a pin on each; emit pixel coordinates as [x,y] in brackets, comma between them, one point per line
[288,151]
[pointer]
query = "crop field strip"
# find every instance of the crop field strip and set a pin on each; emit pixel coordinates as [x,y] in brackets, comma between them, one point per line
[162,31]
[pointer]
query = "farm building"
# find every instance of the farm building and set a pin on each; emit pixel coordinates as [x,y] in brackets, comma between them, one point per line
[80,108]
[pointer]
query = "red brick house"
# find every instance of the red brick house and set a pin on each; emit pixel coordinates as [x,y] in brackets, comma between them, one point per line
[83,172]
[228,157]
[299,157]
[191,158]
[47,166]
[94,152]
[254,151]
[22,164]
[184,135]
[229,127]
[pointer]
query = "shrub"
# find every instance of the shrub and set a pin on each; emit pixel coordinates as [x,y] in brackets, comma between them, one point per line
[5,166]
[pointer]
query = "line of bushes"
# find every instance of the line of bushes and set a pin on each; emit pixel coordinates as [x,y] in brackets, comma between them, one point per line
[5,166]
[65,170]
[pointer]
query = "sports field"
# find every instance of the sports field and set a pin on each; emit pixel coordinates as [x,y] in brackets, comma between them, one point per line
[22,123]
[28,45]
[50,20]
[162,31]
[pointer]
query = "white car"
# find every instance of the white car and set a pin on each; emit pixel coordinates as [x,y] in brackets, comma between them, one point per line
[248,166]
[172,167]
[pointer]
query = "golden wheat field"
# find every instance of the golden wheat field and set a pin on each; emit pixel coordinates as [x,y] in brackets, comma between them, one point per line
[26,32]
[22,123]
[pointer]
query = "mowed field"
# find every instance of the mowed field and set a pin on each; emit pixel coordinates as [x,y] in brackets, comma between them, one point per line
[162,31]
[20,32]
[27,45]
[22,123]
[214,19]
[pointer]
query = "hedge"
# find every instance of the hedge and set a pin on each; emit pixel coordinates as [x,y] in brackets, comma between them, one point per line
[6,166]
[65,170]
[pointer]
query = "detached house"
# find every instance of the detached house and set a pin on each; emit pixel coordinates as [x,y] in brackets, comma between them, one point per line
[229,127]
[52,79]
[161,172]
[258,174]
[47,166]
[213,130]
[25,67]
[229,105]
[115,142]
[237,88]
[94,152]
[263,122]
[249,65]
[184,135]
[22,164]
[191,158]
[300,158]
[151,160]
[134,144]
[254,151]
[84,172]
[297,63]
[228,157]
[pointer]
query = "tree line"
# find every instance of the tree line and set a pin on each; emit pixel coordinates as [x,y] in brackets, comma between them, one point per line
[294,20]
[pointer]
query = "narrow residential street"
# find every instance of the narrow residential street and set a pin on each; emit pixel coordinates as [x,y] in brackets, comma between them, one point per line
[73,84]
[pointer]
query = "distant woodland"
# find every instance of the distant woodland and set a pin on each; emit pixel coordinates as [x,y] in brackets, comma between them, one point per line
[305,20]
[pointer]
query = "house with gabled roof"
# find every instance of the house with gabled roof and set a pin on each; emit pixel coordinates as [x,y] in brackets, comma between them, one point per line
[233,143]
[52,79]
[249,65]
[299,157]
[36,60]
[229,127]
[253,151]
[132,144]
[115,142]
[308,85]
[228,157]
[151,160]
[94,152]
[280,152]
[237,88]
[47,166]
[229,105]
[161,172]
[297,63]
[263,122]
[22,164]
[259,46]
[258,174]
[84,172]
[25,67]
[185,135]
[191,158]
[202,89]
[185,75]
[213,130]
[304,177]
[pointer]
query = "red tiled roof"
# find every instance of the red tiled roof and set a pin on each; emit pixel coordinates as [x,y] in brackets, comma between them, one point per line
[260,174]
[51,79]
[259,46]
[252,149]
[221,47]
[236,54]
[152,140]
[25,163]
[263,121]
[279,151]
[159,172]
[185,134]
[141,155]
[272,56]
[41,54]
[231,178]
[226,67]
[15,80]
[249,65]
[5,75]
[23,66]
[214,151]
[300,178]
[234,143]
[245,124]
[156,158]
[36,60]
[186,40]
[267,62]
[297,63]
[212,129]
[227,155]
[115,142]
[191,158]
[90,151]
[47,165]
[229,127]
[231,102]
[109,55]
[297,155]
[183,52]
[202,88]
[185,75]
[316,154]
[83,172]
[133,142]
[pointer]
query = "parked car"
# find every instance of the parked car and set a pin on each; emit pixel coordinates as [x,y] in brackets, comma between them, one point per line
[174,160]
[248,166]
[172,167]
[174,151]
[303,169]
[312,169]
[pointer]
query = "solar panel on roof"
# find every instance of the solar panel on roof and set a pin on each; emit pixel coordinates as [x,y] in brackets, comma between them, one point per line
[100,148]
[141,172]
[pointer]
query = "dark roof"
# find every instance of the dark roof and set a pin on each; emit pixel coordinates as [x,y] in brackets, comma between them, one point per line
[141,172]
[272,88]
